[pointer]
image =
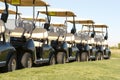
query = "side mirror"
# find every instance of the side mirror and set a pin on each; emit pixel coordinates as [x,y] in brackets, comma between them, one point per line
[93,34]
[4,15]
[46,26]
[73,30]
[106,36]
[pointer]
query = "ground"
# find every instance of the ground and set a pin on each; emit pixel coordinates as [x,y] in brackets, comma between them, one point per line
[92,70]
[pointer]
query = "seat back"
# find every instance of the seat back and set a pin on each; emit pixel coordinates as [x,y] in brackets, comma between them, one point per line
[2,26]
[84,36]
[98,38]
[39,33]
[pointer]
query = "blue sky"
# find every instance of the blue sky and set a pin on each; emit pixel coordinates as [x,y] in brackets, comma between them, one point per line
[101,11]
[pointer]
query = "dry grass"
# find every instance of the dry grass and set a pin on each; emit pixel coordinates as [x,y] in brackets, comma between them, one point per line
[115,53]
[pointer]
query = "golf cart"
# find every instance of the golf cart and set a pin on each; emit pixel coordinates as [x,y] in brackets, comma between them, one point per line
[8,61]
[44,52]
[84,39]
[61,31]
[106,53]
[25,37]
[64,53]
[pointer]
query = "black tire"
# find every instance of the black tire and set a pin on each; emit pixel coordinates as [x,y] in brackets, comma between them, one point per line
[26,60]
[98,56]
[78,57]
[84,56]
[52,60]
[109,55]
[12,63]
[61,58]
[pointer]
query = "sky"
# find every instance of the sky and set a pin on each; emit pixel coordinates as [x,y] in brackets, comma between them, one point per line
[101,11]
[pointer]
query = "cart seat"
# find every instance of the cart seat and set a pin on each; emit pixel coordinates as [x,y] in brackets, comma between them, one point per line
[52,36]
[39,33]
[77,39]
[70,37]
[17,32]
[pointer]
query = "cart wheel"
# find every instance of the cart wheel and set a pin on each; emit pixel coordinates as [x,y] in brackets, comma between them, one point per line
[12,63]
[98,56]
[77,57]
[52,60]
[61,58]
[109,55]
[26,60]
[84,56]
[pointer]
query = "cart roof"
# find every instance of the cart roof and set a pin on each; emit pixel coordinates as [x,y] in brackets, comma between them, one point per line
[82,21]
[57,25]
[100,26]
[91,31]
[58,12]
[10,11]
[97,25]
[26,2]
[39,19]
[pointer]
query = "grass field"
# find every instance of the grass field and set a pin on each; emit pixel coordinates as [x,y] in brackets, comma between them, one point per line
[94,70]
